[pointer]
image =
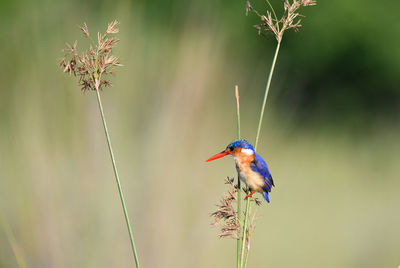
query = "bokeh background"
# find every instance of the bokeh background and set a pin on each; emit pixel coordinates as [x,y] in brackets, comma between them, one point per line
[330,135]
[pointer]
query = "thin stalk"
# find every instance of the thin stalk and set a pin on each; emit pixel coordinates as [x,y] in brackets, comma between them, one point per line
[246,220]
[121,195]
[248,246]
[237,110]
[246,258]
[271,72]
[239,198]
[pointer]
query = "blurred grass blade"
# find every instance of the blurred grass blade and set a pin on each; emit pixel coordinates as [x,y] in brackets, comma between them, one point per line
[13,242]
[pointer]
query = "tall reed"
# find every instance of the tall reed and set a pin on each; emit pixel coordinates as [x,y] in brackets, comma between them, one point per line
[239,198]
[92,68]
[289,20]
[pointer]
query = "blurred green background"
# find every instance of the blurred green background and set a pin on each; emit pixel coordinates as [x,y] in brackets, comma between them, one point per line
[330,135]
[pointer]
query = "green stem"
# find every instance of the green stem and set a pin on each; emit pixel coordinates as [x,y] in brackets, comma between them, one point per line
[239,198]
[271,72]
[246,220]
[239,212]
[247,257]
[121,195]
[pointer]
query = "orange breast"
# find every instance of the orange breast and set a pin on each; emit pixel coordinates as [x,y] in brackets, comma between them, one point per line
[253,179]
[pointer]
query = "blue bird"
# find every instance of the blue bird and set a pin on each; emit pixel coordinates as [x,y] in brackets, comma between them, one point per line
[251,168]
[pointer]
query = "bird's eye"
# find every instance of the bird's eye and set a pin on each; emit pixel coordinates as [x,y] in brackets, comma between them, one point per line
[231,148]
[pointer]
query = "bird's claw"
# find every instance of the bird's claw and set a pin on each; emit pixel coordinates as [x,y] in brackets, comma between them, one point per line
[250,195]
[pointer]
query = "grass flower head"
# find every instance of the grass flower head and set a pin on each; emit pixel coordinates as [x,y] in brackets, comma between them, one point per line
[289,20]
[92,67]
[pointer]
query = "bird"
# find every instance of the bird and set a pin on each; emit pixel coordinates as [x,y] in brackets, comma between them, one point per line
[250,166]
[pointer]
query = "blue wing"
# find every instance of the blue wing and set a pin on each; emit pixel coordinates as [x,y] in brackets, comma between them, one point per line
[259,165]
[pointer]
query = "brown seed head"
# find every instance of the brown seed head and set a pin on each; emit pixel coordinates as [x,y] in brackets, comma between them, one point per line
[112,27]
[93,66]
[85,30]
[289,20]
[226,215]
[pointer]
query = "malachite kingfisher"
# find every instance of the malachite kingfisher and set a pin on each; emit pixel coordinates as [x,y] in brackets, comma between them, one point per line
[251,168]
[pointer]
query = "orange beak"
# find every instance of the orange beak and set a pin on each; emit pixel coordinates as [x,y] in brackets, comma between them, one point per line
[219,155]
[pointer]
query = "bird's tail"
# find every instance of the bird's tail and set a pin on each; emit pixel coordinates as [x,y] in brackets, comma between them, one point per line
[266,196]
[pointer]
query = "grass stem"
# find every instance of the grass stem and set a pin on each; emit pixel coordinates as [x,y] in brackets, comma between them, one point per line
[121,195]
[239,198]
[237,110]
[244,231]
[271,72]
[247,253]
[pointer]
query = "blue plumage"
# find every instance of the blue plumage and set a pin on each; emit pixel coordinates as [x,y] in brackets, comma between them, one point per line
[257,165]
[251,167]
[241,143]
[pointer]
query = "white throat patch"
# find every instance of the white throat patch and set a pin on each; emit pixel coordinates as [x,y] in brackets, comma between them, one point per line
[247,151]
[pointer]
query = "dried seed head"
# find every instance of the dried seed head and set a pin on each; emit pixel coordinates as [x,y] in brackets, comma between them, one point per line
[230,229]
[112,27]
[248,7]
[85,30]
[71,49]
[226,215]
[92,67]
[306,3]
[62,62]
[289,19]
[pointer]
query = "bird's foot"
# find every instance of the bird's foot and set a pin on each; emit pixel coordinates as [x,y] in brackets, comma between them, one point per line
[250,195]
